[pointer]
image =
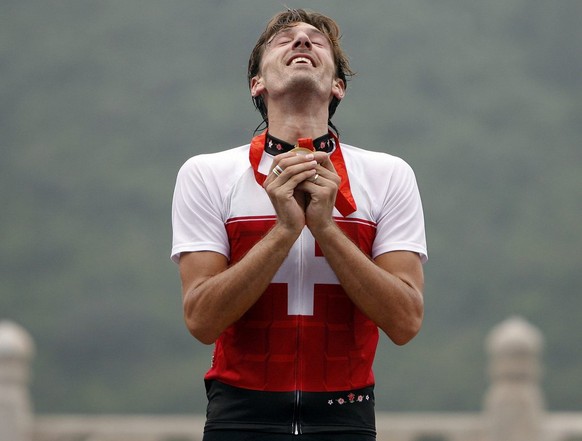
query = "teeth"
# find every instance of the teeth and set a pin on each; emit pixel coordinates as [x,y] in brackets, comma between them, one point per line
[301,60]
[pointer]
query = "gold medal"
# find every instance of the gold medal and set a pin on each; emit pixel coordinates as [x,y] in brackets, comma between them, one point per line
[301,151]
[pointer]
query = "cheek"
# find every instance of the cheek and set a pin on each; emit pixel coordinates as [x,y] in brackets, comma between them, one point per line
[329,61]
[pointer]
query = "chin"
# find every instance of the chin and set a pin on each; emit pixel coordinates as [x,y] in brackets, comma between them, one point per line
[305,83]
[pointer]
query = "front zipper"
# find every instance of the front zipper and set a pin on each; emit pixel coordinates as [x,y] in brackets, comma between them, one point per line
[296,422]
[296,425]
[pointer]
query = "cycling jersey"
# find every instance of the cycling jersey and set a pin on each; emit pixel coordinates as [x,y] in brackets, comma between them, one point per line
[300,359]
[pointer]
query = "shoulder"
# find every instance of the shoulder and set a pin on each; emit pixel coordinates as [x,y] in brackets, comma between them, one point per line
[369,162]
[216,169]
[217,163]
[213,173]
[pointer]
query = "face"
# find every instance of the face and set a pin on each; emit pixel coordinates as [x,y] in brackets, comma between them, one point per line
[298,58]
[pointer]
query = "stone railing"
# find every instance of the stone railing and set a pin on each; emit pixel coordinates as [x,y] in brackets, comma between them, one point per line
[513,410]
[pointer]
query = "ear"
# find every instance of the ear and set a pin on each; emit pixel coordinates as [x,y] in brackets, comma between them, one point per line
[338,89]
[257,86]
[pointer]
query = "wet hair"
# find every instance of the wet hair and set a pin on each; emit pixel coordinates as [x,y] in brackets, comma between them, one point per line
[284,20]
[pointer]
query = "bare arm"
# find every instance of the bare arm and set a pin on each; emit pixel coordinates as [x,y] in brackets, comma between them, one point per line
[388,290]
[215,295]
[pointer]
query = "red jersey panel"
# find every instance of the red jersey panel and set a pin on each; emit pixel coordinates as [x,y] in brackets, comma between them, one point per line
[304,333]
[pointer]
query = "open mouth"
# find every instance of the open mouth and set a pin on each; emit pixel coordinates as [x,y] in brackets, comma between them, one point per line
[301,60]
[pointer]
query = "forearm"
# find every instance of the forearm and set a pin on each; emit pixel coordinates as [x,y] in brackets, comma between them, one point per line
[391,299]
[213,303]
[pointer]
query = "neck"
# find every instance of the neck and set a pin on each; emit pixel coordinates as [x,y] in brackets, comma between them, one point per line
[295,120]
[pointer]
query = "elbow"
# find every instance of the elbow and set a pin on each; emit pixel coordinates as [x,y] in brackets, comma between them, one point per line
[406,328]
[200,329]
[200,332]
[206,339]
[404,334]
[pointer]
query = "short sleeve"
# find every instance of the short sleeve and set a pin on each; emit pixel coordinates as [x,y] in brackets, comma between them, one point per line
[400,224]
[197,221]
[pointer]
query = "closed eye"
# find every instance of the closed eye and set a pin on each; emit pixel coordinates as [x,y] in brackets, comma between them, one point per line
[283,37]
[286,36]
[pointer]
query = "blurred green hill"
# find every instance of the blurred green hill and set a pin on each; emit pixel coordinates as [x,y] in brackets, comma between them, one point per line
[102,101]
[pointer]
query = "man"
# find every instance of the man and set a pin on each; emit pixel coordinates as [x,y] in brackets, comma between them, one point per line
[290,261]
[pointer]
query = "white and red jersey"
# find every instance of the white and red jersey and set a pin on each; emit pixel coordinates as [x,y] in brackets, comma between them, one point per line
[304,333]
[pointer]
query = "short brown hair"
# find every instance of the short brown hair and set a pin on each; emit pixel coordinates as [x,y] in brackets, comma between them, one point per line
[284,20]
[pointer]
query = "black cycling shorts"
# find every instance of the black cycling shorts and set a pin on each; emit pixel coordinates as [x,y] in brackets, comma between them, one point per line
[244,435]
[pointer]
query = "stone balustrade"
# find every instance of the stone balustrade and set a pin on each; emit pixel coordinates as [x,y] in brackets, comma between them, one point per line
[513,409]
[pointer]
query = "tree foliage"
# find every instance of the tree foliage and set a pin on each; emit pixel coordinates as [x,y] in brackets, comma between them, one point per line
[102,101]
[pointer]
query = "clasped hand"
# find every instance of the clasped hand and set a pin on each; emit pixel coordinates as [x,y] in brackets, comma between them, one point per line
[302,189]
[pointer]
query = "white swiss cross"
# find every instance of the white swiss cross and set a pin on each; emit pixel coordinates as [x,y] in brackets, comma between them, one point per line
[301,270]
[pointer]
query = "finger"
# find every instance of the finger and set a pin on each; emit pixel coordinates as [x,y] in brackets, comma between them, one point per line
[324,160]
[295,180]
[285,170]
[289,179]
[288,159]
[313,183]
[277,170]
[325,174]
[316,179]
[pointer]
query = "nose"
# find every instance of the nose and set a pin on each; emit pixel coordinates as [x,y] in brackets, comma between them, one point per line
[301,40]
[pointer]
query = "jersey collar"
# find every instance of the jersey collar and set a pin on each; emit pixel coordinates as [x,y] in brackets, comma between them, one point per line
[344,202]
[275,146]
